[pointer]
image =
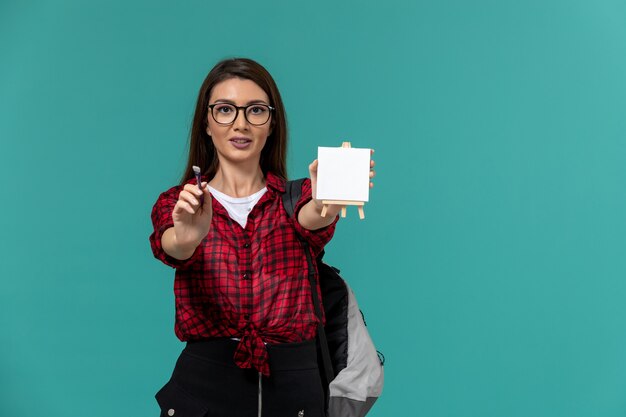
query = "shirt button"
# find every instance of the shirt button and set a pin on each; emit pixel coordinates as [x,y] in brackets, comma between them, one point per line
[245,276]
[246,245]
[170,412]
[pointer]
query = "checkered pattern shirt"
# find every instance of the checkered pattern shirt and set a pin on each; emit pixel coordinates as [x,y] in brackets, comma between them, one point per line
[250,283]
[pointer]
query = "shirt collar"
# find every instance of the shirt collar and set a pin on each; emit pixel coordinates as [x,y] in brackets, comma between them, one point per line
[274,183]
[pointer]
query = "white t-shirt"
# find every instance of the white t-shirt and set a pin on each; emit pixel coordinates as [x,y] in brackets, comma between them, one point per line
[238,208]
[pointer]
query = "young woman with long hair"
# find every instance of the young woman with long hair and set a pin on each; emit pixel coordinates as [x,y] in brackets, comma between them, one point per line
[243,302]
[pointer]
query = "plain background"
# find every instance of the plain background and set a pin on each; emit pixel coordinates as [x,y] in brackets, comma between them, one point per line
[491,264]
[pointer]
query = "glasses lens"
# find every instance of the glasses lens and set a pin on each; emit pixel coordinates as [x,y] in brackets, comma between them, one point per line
[258,114]
[224,113]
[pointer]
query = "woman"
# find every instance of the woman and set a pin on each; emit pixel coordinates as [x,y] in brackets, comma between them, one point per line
[243,302]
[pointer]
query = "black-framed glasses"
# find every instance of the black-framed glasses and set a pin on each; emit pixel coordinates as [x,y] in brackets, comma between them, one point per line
[255,114]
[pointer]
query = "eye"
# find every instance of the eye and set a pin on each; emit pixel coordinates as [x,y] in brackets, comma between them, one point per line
[224,108]
[257,110]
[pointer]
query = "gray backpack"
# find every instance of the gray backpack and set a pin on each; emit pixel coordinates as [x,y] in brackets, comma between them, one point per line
[352,368]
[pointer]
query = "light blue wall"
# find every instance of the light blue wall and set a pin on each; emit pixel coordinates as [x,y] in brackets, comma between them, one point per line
[491,265]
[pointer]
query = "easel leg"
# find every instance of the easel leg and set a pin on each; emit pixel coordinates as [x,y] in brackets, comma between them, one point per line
[324,210]
[343,211]
[361,213]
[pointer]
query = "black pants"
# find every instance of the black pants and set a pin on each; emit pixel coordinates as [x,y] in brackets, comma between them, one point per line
[207,383]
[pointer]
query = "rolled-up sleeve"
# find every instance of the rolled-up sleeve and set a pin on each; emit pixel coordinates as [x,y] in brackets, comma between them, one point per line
[317,239]
[161,221]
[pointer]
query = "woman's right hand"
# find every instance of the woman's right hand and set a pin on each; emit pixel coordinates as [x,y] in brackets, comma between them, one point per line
[192,221]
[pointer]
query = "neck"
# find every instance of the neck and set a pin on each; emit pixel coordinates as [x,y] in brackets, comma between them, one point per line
[238,180]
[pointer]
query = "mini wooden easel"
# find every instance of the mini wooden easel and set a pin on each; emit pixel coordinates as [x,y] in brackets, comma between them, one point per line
[344,203]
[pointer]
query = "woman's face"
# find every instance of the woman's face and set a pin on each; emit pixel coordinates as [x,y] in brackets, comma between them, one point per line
[240,141]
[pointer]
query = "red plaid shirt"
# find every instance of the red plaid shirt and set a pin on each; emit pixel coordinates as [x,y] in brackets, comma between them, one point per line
[247,283]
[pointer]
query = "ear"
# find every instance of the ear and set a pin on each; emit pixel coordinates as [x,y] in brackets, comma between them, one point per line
[208,131]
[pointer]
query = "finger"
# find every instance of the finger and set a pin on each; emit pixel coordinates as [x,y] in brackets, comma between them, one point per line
[313,171]
[207,198]
[372,174]
[183,205]
[371,185]
[193,189]
[372,163]
[189,198]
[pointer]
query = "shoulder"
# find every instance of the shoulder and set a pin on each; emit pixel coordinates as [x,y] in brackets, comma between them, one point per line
[275,183]
[170,193]
[280,185]
[300,187]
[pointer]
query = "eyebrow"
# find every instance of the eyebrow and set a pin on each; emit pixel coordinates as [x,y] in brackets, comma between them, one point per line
[221,100]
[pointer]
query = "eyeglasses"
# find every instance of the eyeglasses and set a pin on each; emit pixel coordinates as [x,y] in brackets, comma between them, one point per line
[255,114]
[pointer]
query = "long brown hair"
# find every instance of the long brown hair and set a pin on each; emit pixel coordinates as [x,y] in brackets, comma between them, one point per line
[201,150]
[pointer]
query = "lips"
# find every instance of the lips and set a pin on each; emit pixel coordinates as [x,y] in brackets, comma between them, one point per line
[240,142]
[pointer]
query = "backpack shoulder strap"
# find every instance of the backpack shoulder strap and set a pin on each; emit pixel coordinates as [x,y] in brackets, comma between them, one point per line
[293,191]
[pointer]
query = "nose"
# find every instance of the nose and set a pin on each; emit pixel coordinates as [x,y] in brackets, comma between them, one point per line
[240,122]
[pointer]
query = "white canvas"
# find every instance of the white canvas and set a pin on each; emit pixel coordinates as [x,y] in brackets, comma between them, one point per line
[343,174]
